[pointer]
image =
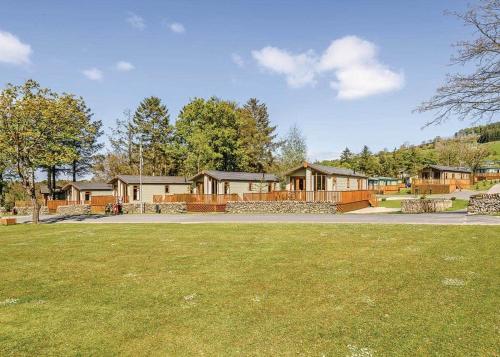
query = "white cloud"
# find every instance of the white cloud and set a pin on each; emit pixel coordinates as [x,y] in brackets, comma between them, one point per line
[352,60]
[124,66]
[12,50]
[93,74]
[177,27]
[238,60]
[136,21]
[299,70]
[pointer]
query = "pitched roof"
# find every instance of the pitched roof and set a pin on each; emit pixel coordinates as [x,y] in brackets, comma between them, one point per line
[237,176]
[329,170]
[91,186]
[449,168]
[382,178]
[135,179]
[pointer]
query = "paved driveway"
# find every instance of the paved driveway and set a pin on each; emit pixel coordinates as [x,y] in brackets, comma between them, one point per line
[455,218]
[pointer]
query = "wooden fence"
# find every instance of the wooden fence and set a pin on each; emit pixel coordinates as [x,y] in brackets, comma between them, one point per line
[98,203]
[487,176]
[196,198]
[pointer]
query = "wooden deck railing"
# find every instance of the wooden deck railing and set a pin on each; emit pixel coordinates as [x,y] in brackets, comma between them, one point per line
[312,196]
[196,198]
[457,182]
[487,176]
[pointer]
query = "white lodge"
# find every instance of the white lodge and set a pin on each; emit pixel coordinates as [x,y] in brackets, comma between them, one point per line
[127,187]
[313,177]
[222,182]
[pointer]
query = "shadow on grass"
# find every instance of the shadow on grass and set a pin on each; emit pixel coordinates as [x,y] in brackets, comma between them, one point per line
[79,218]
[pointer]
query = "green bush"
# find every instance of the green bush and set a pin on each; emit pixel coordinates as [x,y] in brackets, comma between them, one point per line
[384,199]
[453,198]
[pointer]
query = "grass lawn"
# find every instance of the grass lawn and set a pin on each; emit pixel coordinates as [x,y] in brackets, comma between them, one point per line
[456,204]
[212,289]
[484,185]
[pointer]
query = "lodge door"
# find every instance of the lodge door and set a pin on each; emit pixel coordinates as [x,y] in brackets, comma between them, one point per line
[298,183]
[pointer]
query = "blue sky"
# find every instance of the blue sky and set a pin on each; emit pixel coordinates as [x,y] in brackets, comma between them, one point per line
[348,73]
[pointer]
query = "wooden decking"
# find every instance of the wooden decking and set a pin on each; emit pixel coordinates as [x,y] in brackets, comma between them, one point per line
[431,186]
[486,176]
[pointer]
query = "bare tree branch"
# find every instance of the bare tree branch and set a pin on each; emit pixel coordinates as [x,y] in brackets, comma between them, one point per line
[474,96]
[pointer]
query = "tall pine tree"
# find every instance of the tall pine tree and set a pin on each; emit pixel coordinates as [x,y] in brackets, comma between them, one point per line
[152,129]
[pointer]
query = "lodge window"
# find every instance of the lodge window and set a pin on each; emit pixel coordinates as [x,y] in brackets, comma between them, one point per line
[87,196]
[270,187]
[167,189]
[250,186]
[226,188]
[135,193]
[319,182]
[348,183]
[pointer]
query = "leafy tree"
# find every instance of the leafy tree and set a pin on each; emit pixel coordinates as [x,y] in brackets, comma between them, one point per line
[449,152]
[111,164]
[207,132]
[87,145]
[293,150]
[152,129]
[473,96]
[474,155]
[37,127]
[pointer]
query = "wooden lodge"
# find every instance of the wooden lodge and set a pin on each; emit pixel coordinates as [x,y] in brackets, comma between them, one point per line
[82,192]
[383,185]
[314,177]
[441,179]
[223,182]
[127,187]
[490,171]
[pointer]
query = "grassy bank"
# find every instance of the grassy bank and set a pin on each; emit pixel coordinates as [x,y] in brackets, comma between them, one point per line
[249,290]
[456,204]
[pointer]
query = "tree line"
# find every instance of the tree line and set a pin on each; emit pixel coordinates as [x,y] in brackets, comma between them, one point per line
[208,134]
[42,131]
[408,160]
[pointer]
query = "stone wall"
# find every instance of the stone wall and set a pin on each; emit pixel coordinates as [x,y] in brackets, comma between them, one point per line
[172,208]
[131,208]
[28,211]
[165,208]
[484,204]
[425,205]
[280,207]
[73,210]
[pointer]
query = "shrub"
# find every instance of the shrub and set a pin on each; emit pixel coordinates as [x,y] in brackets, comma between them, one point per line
[384,199]
[453,198]
[422,197]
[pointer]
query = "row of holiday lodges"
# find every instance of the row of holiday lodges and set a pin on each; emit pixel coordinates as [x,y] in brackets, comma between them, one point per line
[306,178]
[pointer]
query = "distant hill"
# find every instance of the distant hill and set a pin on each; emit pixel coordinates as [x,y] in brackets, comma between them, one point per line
[487,133]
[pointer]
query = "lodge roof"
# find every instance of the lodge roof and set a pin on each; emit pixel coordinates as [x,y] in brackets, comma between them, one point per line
[151,180]
[449,168]
[237,176]
[91,186]
[328,170]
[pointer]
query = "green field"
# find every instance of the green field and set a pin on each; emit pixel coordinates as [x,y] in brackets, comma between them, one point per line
[494,148]
[334,290]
